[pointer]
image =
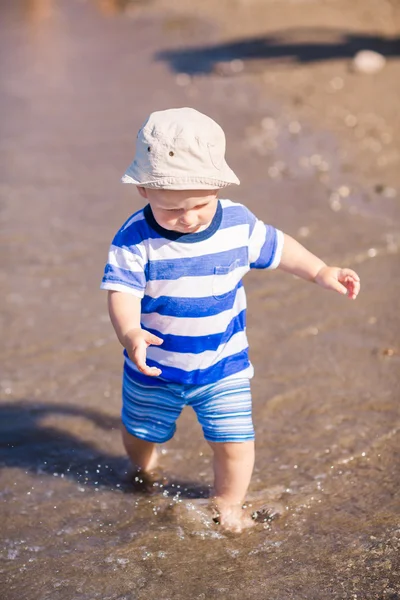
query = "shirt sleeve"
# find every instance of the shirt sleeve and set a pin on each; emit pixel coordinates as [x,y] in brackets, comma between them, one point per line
[265,244]
[125,268]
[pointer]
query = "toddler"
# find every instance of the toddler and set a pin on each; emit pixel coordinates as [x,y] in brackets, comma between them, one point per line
[178,305]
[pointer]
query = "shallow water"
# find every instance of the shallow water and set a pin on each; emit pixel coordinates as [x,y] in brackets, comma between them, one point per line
[77,83]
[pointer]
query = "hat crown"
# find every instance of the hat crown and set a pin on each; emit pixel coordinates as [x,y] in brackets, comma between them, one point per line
[180,148]
[182,123]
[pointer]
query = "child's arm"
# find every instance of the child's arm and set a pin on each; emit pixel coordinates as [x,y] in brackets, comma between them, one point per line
[299,261]
[125,312]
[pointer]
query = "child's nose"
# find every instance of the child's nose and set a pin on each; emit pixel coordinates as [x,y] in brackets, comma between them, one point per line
[188,218]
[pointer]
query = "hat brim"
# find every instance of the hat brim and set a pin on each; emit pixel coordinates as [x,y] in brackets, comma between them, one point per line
[227,178]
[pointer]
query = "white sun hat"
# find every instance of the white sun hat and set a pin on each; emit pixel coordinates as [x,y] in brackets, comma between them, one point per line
[180,149]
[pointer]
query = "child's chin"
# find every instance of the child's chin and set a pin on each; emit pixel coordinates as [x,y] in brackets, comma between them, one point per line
[200,227]
[188,229]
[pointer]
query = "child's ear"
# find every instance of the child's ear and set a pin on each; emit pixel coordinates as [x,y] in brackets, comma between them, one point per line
[142,191]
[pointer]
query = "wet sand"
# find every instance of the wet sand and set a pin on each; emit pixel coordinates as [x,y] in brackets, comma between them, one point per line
[78,80]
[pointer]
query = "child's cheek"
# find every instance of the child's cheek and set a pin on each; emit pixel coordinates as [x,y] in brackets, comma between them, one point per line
[170,221]
[167,222]
[208,216]
[163,219]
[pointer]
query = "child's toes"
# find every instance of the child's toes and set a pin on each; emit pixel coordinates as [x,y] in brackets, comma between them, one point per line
[265,514]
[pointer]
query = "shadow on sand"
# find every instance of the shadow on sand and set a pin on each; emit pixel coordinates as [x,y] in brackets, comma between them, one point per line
[29,444]
[293,45]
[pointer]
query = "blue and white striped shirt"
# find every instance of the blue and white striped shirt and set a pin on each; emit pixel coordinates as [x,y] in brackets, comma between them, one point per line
[191,289]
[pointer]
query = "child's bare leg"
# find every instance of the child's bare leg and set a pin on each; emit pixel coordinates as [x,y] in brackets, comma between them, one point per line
[233,466]
[143,455]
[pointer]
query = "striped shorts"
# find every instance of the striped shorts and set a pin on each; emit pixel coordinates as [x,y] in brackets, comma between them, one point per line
[223,409]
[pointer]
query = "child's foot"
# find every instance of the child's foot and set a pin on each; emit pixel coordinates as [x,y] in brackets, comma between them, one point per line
[232,518]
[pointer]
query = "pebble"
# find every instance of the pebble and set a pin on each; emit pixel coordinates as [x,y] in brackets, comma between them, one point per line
[323,167]
[334,202]
[368,61]
[344,191]
[389,351]
[237,65]
[389,192]
[303,232]
[268,124]
[225,69]
[304,333]
[337,83]
[276,169]
[350,120]
[183,79]
[294,127]
[392,245]
[335,205]
[316,160]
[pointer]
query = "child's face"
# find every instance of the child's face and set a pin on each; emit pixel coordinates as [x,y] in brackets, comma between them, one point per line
[185,211]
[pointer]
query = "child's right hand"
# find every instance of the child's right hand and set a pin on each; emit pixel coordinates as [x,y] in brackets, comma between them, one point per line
[136,342]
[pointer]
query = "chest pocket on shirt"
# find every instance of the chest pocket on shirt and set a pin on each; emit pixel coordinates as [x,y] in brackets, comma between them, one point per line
[225,279]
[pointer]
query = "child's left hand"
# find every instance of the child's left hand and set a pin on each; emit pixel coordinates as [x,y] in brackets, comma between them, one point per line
[344,281]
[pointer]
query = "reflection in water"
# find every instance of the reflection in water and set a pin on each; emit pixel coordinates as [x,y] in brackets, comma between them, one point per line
[46,53]
[111,7]
[39,10]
